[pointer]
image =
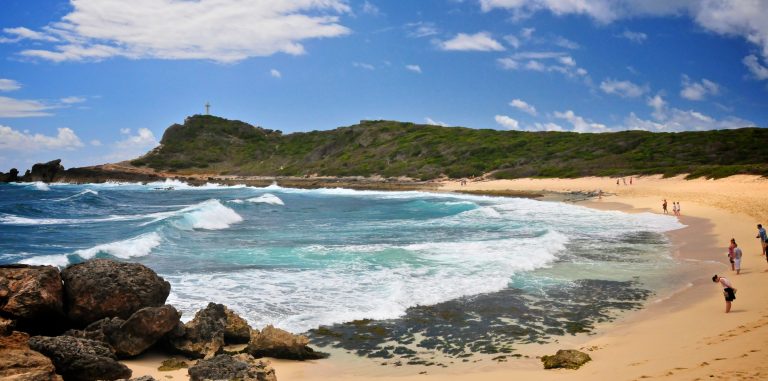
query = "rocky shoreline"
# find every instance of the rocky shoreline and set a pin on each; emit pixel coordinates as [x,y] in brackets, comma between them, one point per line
[77,323]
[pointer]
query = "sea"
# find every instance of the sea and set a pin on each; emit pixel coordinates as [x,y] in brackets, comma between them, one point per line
[433,271]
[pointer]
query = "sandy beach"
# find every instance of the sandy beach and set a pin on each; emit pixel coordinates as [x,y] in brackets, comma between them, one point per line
[684,335]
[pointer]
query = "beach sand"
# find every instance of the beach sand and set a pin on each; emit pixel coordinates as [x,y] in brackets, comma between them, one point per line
[681,336]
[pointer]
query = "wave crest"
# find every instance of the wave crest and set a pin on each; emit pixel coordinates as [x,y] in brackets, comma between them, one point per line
[139,246]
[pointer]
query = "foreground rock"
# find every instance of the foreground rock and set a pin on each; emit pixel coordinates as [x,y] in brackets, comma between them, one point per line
[79,359]
[30,294]
[18,362]
[276,343]
[239,367]
[133,336]
[203,336]
[237,330]
[566,358]
[103,288]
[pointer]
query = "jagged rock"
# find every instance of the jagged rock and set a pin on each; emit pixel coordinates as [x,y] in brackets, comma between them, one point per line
[102,288]
[18,362]
[203,336]
[276,343]
[237,330]
[6,326]
[172,364]
[225,367]
[11,176]
[133,336]
[566,358]
[45,172]
[30,294]
[80,359]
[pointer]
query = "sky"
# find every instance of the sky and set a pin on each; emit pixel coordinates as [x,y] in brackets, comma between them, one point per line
[96,81]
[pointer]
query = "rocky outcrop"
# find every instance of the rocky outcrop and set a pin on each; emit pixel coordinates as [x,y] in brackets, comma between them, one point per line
[19,362]
[30,294]
[133,336]
[277,343]
[44,172]
[566,358]
[6,326]
[104,288]
[11,176]
[239,367]
[80,359]
[237,330]
[203,336]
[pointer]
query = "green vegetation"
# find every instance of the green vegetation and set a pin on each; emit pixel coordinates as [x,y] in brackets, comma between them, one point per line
[209,144]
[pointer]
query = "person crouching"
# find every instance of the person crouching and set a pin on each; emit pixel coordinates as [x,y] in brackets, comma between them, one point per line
[728,290]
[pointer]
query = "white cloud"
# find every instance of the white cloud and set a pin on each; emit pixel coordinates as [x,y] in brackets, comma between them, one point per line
[24,141]
[566,43]
[414,68]
[480,42]
[508,63]
[527,33]
[96,143]
[580,124]
[624,89]
[697,91]
[667,118]
[363,65]
[507,122]
[523,106]
[433,122]
[125,131]
[636,37]
[513,41]
[759,71]
[370,8]
[143,138]
[72,100]
[9,85]
[276,73]
[421,29]
[546,127]
[543,61]
[218,30]
[23,108]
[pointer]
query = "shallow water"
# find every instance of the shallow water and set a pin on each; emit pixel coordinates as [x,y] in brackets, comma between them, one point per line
[300,259]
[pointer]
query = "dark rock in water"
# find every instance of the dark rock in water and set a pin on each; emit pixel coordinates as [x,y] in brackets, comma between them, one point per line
[133,336]
[11,176]
[276,343]
[566,358]
[80,359]
[20,363]
[239,367]
[32,294]
[237,330]
[103,288]
[203,336]
[44,172]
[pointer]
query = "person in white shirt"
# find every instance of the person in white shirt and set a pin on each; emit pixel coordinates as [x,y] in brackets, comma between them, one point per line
[737,257]
[728,290]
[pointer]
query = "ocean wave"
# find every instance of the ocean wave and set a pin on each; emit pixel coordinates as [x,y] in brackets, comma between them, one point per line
[207,215]
[11,219]
[139,246]
[61,260]
[267,198]
[83,193]
[41,186]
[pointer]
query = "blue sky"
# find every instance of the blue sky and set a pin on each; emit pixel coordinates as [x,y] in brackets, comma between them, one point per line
[95,81]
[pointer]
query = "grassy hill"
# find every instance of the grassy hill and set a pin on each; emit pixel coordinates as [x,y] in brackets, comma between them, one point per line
[209,144]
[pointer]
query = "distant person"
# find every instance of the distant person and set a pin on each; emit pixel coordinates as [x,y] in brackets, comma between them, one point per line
[728,291]
[617,181]
[763,238]
[664,206]
[600,194]
[624,180]
[732,254]
[737,258]
[630,180]
[678,208]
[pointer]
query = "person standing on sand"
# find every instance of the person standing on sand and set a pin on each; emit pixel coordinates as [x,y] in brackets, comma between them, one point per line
[630,180]
[763,238]
[728,291]
[731,254]
[678,208]
[737,258]
[664,206]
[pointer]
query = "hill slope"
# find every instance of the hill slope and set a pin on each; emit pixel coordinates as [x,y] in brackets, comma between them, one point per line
[211,144]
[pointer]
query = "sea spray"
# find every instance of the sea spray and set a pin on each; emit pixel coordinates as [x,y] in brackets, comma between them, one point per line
[139,246]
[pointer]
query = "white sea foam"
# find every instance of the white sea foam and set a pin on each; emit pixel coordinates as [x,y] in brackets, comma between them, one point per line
[41,186]
[267,198]
[83,193]
[10,219]
[47,260]
[139,246]
[236,201]
[207,215]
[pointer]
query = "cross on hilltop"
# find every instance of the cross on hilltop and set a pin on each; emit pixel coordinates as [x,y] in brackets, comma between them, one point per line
[207,108]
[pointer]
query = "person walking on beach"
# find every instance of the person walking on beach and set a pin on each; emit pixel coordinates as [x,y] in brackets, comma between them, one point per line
[728,290]
[664,206]
[737,258]
[731,254]
[678,208]
[763,238]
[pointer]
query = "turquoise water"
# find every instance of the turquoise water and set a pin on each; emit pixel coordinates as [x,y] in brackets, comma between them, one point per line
[303,258]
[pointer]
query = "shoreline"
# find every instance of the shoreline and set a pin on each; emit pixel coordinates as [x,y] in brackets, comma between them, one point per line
[635,345]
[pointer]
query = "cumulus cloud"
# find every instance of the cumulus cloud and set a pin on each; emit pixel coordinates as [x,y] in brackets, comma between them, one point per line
[624,89]
[507,122]
[580,124]
[25,141]
[523,106]
[276,73]
[543,61]
[636,37]
[697,91]
[144,138]
[218,30]
[479,42]
[9,85]
[414,68]
[433,122]
[758,70]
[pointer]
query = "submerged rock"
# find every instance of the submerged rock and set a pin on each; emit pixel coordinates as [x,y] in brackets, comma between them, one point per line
[566,358]
[20,363]
[203,336]
[79,359]
[103,288]
[239,367]
[277,343]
